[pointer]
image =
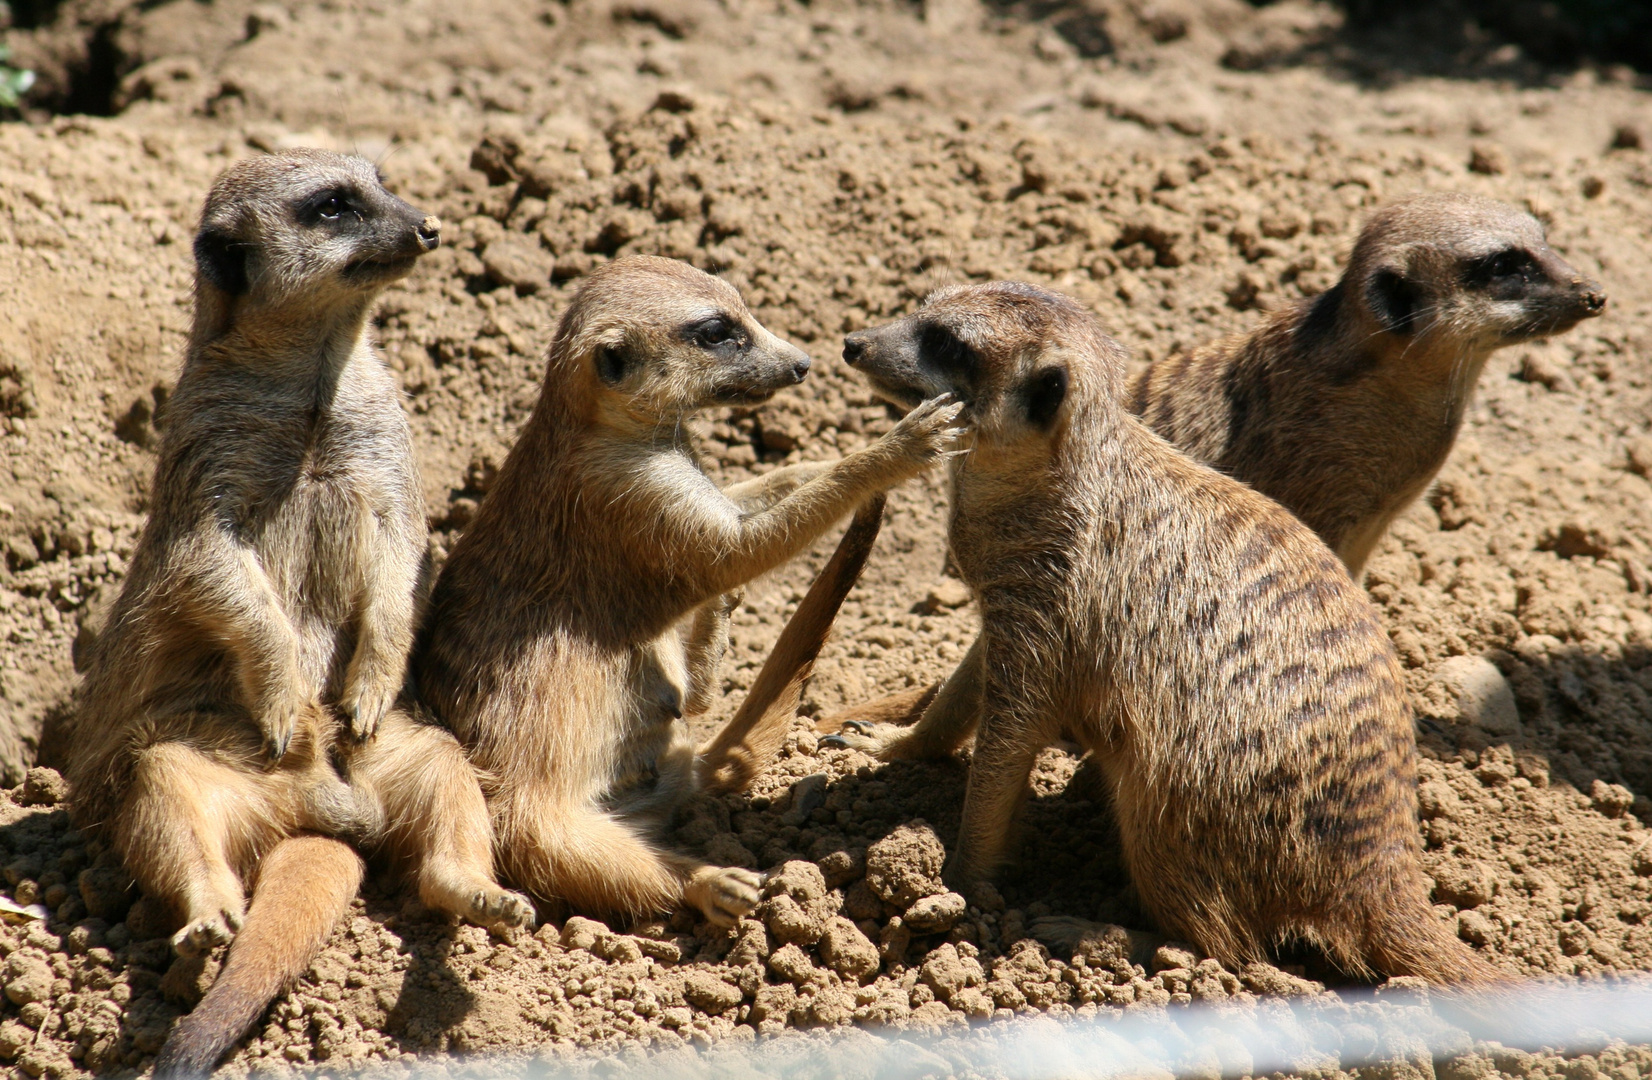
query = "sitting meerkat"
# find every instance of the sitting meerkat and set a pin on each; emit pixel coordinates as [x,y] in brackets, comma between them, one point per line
[1343,408]
[552,646]
[274,583]
[1235,687]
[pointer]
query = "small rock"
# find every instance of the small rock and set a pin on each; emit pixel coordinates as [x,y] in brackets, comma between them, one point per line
[188,980]
[808,795]
[847,951]
[860,902]
[792,964]
[936,914]
[1613,800]
[582,933]
[752,944]
[946,593]
[1436,800]
[710,994]
[905,866]
[1484,697]
[773,1003]
[1173,954]
[841,867]
[1475,928]
[1542,371]
[28,978]
[518,261]
[1488,159]
[1464,884]
[1627,137]
[14,1039]
[946,972]
[44,787]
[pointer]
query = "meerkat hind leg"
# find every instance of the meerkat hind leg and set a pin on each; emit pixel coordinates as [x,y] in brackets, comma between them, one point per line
[176,835]
[952,715]
[437,819]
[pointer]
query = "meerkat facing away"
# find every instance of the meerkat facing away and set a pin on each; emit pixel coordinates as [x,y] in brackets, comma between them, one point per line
[274,582]
[552,646]
[1342,408]
[1235,687]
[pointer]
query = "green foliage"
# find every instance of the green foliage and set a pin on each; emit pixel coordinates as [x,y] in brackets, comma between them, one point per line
[14,82]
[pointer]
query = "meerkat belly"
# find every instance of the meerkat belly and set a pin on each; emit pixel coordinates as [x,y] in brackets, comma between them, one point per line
[654,748]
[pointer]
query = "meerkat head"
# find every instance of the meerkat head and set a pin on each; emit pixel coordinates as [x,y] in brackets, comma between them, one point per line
[1016,355]
[652,339]
[309,227]
[1466,269]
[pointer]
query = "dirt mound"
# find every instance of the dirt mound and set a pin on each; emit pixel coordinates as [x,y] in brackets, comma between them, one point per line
[831,162]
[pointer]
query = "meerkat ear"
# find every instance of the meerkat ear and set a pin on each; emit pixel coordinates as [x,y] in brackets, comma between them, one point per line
[220,261]
[1394,300]
[613,363]
[1044,393]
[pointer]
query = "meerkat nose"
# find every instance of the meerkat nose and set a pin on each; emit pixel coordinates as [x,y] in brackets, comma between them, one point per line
[800,367]
[853,349]
[429,232]
[1594,298]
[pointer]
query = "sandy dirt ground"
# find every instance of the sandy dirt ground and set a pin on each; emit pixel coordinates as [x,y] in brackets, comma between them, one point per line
[1179,167]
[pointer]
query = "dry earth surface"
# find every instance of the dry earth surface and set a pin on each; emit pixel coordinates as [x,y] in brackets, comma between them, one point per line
[1178,166]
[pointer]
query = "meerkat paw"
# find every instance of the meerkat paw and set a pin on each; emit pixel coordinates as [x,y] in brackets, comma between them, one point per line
[928,433]
[500,908]
[886,742]
[724,893]
[365,704]
[203,935]
[279,722]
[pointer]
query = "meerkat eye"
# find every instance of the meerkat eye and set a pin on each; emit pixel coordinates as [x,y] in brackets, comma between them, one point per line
[329,207]
[1510,267]
[717,330]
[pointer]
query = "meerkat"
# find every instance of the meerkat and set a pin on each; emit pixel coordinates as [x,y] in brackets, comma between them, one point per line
[1343,408]
[1235,687]
[274,584]
[552,645]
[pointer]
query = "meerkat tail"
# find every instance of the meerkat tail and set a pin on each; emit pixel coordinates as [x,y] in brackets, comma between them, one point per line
[749,741]
[1407,939]
[304,886]
[903,708]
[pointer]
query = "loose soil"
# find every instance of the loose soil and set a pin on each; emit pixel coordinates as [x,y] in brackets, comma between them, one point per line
[1179,167]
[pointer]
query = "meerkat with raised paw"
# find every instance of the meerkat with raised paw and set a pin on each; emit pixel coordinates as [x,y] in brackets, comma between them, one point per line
[1235,687]
[272,590]
[553,645]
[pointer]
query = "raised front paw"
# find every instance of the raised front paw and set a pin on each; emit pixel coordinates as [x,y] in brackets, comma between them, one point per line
[724,893]
[203,935]
[928,433]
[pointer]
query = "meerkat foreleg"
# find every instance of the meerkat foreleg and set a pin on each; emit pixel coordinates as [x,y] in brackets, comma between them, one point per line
[764,491]
[598,862]
[704,650]
[227,590]
[1005,749]
[945,725]
[385,635]
[752,544]
[436,818]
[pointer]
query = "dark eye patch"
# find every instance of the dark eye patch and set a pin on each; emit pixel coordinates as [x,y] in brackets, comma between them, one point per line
[1506,269]
[942,349]
[330,206]
[717,330]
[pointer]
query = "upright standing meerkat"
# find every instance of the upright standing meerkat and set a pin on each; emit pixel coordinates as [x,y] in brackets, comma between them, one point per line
[552,647]
[1235,687]
[274,583]
[1342,408]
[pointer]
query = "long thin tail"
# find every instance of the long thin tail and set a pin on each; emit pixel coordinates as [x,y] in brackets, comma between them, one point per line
[1407,939]
[304,886]
[750,741]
